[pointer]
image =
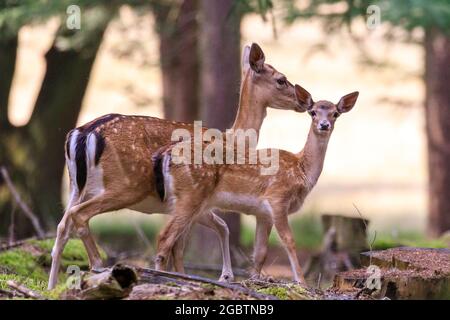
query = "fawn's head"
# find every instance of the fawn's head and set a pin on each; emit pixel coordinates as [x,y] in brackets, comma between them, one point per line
[272,87]
[324,113]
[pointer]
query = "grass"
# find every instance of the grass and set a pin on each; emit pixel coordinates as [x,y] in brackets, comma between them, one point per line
[307,231]
[406,238]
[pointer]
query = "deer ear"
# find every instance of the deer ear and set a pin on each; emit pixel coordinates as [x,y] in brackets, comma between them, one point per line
[256,58]
[304,98]
[246,59]
[347,102]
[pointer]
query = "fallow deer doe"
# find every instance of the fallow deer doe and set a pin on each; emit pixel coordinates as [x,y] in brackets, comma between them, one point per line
[241,188]
[110,161]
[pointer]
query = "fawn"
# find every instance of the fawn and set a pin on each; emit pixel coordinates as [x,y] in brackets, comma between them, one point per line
[110,164]
[192,190]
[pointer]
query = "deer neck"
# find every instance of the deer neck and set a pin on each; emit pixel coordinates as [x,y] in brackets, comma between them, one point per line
[252,110]
[312,157]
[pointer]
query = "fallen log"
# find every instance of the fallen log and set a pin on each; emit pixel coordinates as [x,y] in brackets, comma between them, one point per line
[154,275]
[27,292]
[113,283]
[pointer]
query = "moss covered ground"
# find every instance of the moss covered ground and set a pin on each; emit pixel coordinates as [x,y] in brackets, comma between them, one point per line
[29,263]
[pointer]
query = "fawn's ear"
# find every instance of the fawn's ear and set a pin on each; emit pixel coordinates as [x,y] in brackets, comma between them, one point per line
[256,58]
[304,98]
[245,59]
[347,102]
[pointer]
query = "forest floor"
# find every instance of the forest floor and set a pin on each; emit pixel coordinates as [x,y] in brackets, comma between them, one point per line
[404,273]
[24,273]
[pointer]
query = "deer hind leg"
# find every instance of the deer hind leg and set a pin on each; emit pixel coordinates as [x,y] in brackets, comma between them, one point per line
[178,225]
[77,217]
[285,233]
[62,236]
[214,222]
[81,214]
[263,228]
[178,252]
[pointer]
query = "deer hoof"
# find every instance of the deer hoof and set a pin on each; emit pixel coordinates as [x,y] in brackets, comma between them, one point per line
[226,277]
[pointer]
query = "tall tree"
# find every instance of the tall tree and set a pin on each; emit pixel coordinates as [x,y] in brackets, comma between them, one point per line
[433,17]
[34,153]
[437,115]
[176,24]
[220,79]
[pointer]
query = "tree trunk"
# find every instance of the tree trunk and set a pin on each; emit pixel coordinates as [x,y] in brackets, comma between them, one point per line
[179,60]
[220,76]
[437,114]
[8,52]
[35,153]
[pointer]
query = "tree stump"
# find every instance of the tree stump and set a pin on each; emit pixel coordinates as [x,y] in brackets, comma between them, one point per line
[345,238]
[403,273]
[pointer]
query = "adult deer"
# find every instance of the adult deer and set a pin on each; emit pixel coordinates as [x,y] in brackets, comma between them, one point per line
[242,187]
[110,161]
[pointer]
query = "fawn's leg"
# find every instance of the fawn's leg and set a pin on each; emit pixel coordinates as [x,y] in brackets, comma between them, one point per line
[213,221]
[178,252]
[285,233]
[263,228]
[179,223]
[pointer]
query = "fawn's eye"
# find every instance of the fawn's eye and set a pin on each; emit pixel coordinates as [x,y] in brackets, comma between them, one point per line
[281,81]
[336,114]
[312,113]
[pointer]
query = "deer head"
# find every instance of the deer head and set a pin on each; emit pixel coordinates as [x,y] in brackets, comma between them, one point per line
[324,113]
[271,86]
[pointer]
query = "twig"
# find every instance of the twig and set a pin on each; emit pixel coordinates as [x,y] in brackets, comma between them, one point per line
[8,293]
[141,233]
[195,278]
[24,290]
[11,229]
[367,228]
[8,246]
[26,210]
[217,268]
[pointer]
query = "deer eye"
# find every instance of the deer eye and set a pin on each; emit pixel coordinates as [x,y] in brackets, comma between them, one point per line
[312,113]
[281,81]
[336,114]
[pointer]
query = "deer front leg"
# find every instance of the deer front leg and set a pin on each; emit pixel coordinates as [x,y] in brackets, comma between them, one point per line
[263,228]
[285,234]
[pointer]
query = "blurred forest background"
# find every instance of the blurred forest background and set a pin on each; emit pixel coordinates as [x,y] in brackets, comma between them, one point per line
[180,59]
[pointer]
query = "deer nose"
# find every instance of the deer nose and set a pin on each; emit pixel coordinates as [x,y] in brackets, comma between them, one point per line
[324,125]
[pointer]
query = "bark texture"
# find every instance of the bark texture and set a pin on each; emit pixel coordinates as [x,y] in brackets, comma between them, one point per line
[437,111]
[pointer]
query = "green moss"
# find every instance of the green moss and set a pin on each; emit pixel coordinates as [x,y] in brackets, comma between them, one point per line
[287,291]
[209,286]
[29,282]
[28,264]
[74,253]
[279,292]
[21,263]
